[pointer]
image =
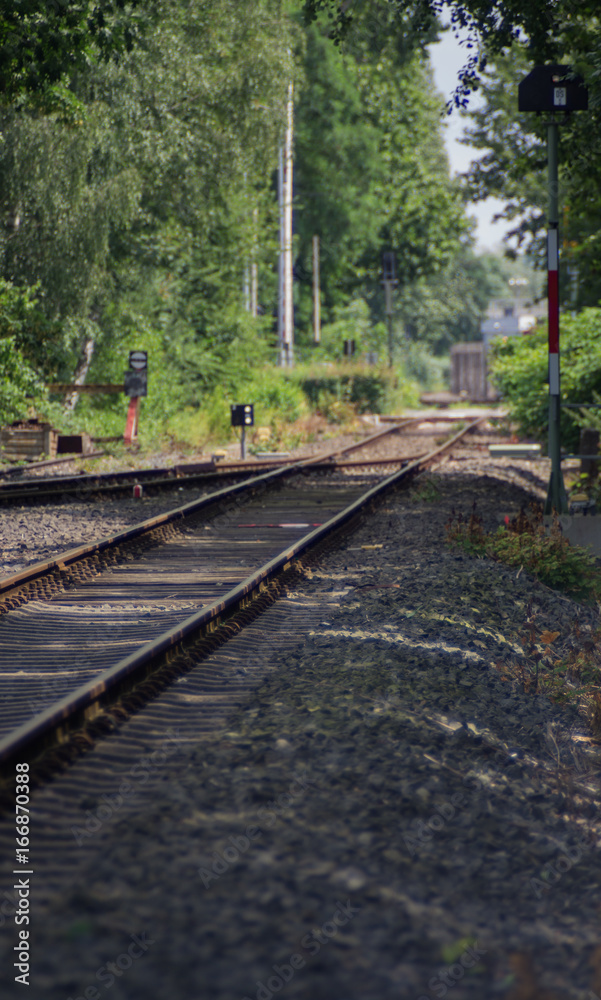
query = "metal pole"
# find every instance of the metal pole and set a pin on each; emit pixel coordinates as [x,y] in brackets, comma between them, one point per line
[281,289]
[243,443]
[288,191]
[556,497]
[388,309]
[254,270]
[316,300]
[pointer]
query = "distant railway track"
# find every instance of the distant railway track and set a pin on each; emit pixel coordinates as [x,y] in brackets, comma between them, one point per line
[96,486]
[92,634]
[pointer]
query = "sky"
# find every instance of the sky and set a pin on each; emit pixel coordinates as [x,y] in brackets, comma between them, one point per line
[447,58]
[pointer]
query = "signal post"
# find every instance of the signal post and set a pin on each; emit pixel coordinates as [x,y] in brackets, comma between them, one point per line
[553,90]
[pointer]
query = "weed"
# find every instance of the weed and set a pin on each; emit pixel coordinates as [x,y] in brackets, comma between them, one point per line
[427,492]
[574,674]
[525,542]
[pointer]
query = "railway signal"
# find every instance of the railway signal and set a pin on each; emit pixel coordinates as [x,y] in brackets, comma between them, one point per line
[135,385]
[138,360]
[243,416]
[554,90]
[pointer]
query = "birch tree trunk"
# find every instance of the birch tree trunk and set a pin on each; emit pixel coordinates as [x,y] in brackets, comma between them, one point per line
[81,372]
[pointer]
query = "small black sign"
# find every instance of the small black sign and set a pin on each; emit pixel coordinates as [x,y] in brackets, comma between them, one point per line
[552,88]
[243,415]
[135,383]
[349,348]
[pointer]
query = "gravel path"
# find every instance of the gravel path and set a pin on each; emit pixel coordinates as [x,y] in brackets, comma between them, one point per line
[385,816]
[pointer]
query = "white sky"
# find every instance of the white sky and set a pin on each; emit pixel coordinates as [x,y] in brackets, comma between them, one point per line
[447,58]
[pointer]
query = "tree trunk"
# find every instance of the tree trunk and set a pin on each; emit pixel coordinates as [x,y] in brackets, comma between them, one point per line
[81,372]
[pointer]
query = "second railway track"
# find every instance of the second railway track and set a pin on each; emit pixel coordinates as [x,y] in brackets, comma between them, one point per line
[408,433]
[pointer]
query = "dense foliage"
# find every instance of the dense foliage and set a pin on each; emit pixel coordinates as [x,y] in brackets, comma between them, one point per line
[506,38]
[138,157]
[41,41]
[519,369]
[133,209]
[371,168]
[513,168]
[549,28]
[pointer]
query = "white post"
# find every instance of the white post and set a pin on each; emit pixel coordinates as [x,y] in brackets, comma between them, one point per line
[316,297]
[288,192]
[246,279]
[281,289]
[247,302]
[254,269]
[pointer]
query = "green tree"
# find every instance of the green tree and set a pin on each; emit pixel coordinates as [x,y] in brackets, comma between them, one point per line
[371,171]
[549,28]
[43,41]
[442,310]
[147,192]
[513,168]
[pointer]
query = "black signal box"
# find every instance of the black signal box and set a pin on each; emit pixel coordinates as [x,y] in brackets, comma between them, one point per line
[349,348]
[389,266]
[552,88]
[135,383]
[243,415]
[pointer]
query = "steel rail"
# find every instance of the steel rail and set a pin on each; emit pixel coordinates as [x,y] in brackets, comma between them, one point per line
[65,559]
[37,730]
[32,573]
[181,475]
[18,470]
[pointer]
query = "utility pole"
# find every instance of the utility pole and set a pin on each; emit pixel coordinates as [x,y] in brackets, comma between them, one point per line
[254,268]
[553,89]
[285,193]
[316,295]
[389,281]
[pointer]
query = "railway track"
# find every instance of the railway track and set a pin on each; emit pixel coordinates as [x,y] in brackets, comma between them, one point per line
[375,684]
[103,627]
[94,487]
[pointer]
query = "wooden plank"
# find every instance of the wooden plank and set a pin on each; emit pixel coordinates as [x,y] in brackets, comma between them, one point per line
[60,387]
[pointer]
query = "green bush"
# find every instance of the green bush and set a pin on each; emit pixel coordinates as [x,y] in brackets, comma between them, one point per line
[519,370]
[366,389]
[272,391]
[351,322]
[430,371]
[524,541]
[19,383]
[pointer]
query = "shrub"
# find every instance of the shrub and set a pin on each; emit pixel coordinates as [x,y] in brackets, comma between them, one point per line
[519,370]
[365,389]
[524,541]
[19,383]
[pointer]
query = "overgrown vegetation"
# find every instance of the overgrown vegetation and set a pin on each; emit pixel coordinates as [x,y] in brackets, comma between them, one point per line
[519,369]
[524,541]
[138,190]
[573,675]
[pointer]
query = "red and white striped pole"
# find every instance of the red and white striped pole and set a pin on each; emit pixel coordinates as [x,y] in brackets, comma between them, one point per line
[556,496]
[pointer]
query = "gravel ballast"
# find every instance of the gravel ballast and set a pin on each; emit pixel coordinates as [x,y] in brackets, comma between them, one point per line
[387,815]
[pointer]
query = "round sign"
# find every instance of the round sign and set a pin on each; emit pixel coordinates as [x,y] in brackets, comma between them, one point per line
[138,360]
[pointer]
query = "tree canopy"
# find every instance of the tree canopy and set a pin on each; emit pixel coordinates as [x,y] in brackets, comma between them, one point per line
[42,41]
[548,29]
[138,185]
